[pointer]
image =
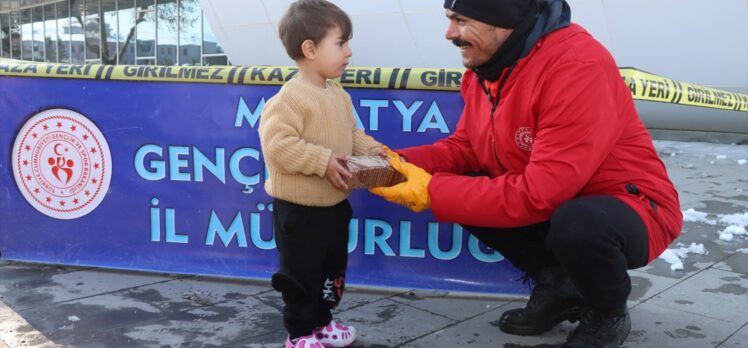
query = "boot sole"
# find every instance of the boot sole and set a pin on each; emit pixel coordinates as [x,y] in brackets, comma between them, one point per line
[572,314]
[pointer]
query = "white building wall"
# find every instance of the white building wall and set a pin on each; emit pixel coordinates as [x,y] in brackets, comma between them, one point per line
[697,41]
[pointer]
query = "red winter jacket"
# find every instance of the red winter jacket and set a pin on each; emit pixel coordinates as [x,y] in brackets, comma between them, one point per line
[565,127]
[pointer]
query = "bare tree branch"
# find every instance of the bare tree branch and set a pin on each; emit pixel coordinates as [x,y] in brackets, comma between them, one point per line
[172,14]
[140,19]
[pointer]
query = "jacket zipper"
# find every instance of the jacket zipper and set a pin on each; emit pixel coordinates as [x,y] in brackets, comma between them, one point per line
[493,137]
[495,105]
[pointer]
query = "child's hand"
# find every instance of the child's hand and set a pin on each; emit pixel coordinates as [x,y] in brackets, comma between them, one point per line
[336,173]
[386,153]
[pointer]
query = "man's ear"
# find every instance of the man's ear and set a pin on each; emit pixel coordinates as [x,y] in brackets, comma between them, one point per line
[309,49]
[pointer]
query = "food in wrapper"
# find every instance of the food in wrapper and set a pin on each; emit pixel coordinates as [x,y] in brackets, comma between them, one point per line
[371,171]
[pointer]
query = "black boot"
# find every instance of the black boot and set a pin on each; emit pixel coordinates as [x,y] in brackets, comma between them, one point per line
[553,300]
[600,329]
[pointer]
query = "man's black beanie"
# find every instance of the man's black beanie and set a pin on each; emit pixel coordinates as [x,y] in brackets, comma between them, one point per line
[499,13]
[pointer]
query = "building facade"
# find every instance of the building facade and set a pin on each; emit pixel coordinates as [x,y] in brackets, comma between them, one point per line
[143,32]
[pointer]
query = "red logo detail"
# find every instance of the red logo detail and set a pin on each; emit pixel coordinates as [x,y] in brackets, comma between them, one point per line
[67,168]
[523,138]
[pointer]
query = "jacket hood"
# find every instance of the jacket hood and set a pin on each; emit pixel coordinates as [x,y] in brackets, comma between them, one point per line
[552,15]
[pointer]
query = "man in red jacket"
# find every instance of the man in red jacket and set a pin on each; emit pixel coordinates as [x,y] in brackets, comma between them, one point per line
[571,189]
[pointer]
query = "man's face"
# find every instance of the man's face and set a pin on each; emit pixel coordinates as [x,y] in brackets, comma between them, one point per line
[477,41]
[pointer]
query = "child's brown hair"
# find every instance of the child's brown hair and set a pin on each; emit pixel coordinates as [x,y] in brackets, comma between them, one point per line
[310,20]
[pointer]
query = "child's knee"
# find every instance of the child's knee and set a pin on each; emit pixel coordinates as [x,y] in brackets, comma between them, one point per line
[288,285]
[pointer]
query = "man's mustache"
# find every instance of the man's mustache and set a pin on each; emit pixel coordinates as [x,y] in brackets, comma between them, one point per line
[460,43]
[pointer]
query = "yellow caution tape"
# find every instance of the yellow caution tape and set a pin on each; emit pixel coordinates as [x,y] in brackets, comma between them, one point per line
[643,86]
[396,78]
[646,86]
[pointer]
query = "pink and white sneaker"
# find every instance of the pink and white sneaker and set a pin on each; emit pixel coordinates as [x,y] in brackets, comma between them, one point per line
[310,341]
[336,335]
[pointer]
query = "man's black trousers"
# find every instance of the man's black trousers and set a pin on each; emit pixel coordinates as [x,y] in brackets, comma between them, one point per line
[594,240]
[313,246]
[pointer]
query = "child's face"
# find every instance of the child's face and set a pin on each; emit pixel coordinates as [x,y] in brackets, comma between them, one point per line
[332,54]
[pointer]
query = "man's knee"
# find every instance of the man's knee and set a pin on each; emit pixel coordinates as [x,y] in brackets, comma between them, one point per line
[493,237]
[575,224]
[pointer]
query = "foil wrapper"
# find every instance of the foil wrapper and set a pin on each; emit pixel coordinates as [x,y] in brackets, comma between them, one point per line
[371,171]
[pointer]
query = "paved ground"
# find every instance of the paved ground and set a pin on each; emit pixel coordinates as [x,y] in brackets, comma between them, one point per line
[703,305]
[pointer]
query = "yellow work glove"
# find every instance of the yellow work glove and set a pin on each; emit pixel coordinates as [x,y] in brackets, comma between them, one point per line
[413,193]
[387,153]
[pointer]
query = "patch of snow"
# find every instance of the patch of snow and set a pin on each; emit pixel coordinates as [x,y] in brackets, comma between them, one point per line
[676,256]
[742,162]
[692,215]
[721,157]
[735,229]
[73,318]
[735,219]
[730,231]
[674,261]
[736,224]
[696,216]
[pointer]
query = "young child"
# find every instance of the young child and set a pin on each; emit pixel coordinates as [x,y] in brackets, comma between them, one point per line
[306,131]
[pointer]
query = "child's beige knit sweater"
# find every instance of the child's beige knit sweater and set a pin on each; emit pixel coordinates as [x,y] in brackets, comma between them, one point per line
[300,128]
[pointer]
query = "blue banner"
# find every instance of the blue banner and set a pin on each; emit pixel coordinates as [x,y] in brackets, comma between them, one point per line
[168,177]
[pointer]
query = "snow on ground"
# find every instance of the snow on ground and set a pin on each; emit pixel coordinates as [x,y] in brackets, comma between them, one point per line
[691,215]
[738,220]
[734,219]
[736,225]
[676,256]
[730,231]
